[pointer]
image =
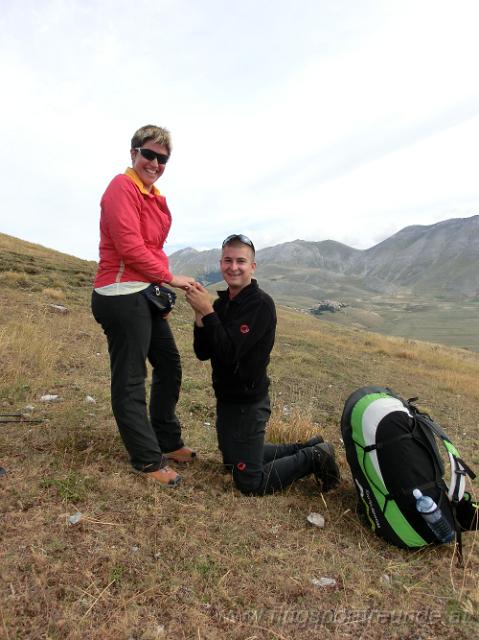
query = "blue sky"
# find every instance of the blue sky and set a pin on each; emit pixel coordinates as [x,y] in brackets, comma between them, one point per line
[332,119]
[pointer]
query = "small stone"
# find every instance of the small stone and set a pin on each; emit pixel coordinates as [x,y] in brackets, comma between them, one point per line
[323,582]
[317,519]
[75,518]
[58,308]
[49,397]
[90,399]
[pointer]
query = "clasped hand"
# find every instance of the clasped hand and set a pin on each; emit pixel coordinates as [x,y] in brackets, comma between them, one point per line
[199,299]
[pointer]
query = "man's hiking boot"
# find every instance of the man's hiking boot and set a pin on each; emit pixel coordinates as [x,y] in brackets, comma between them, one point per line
[185,454]
[326,471]
[311,442]
[164,476]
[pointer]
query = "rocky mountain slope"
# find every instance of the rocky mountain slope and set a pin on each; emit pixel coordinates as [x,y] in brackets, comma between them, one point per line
[439,258]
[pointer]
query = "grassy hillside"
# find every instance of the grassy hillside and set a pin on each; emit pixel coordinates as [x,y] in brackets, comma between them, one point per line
[202,561]
[444,321]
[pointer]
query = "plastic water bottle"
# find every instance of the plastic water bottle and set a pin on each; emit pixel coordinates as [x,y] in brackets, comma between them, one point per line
[433,515]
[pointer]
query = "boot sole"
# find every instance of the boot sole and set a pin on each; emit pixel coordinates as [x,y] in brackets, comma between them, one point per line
[181,460]
[331,482]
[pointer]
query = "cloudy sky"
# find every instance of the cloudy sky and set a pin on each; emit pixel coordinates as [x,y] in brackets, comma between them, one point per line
[312,119]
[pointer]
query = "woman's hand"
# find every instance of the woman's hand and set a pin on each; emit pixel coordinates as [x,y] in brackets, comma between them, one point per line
[182,282]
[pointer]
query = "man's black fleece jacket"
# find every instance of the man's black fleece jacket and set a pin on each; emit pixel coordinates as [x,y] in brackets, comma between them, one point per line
[238,337]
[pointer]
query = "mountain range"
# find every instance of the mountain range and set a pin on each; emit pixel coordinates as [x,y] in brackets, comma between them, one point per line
[422,282]
[438,260]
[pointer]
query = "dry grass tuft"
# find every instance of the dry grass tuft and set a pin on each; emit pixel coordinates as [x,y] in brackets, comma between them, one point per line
[29,353]
[290,425]
[14,279]
[54,294]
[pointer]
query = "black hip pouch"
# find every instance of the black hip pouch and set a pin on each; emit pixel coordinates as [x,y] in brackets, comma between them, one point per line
[160,298]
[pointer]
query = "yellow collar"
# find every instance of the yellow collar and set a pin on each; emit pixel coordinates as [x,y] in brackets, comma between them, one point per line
[131,173]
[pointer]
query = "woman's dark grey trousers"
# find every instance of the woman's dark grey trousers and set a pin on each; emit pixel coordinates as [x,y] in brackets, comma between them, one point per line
[136,333]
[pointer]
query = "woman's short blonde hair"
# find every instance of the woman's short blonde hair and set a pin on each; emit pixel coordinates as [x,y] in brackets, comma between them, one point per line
[150,132]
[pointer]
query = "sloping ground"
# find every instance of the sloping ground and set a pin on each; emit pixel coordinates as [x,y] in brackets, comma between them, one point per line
[203,561]
[445,322]
[32,267]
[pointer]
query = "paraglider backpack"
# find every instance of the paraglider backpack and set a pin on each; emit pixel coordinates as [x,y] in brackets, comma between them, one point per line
[391,449]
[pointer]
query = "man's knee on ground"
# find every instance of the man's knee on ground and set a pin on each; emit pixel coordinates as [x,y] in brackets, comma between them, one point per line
[250,484]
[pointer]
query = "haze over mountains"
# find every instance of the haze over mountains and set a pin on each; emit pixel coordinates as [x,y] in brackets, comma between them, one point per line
[422,282]
[435,260]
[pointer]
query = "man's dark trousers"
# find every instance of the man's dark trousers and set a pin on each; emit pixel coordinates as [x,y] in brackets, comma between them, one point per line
[136,333]
[258,468]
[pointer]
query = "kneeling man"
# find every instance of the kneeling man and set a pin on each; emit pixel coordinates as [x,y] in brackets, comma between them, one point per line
[237,334]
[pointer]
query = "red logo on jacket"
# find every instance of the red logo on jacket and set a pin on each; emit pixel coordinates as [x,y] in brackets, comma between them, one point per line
[244,328]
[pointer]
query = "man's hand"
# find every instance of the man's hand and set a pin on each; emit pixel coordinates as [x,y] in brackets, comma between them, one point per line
[199,299]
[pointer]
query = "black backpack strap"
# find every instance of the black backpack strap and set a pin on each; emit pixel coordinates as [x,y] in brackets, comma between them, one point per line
[460,557]
[433,484]
[383,445]
[467,469]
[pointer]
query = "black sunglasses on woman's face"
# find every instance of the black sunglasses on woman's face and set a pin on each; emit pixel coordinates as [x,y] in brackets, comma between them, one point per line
[149,154]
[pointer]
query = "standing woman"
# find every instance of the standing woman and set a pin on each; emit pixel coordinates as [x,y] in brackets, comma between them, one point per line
[135,221]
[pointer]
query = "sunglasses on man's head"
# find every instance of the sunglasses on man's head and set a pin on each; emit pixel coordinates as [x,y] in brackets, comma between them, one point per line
[148,154]
[241,238]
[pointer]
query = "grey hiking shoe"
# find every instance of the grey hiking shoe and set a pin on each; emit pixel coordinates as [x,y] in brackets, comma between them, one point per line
[326,471]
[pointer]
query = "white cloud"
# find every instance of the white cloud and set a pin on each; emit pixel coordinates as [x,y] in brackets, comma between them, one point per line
[342,119]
